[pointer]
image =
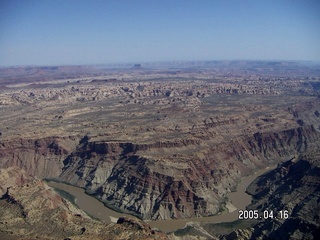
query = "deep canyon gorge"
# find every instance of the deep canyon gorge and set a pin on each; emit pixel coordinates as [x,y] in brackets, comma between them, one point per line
[159,144]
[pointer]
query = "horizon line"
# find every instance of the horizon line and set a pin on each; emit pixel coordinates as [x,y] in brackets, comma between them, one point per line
[158,62]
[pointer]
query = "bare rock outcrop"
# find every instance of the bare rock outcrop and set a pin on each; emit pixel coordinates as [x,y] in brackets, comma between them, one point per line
[39,157]
[30,209]
[119,175]
[192,179]
[294,187]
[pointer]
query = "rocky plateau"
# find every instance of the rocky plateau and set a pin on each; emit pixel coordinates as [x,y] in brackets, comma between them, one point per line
[157,144]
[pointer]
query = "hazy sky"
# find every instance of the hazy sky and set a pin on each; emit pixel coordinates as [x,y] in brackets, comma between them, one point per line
[96,32]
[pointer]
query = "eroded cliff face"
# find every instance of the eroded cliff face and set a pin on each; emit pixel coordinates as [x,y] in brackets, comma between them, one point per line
[294,186]
[184,173]
[123,177]
[127,177]
[30,209]
[39,157]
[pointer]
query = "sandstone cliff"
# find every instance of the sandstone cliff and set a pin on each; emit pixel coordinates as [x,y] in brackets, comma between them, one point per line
[134,178]
[29,209]
[293,186]
[41,157]
[158,144]
[121,176]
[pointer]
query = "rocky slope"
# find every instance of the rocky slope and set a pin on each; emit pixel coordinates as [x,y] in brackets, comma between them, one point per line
[29,209]
[40,157]
[293,186]
[121,176]
[181,177]
[156,144]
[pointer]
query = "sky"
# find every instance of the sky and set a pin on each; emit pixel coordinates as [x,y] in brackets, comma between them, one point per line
[84,32]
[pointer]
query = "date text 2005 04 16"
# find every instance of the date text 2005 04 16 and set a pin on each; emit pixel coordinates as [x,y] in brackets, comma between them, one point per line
[266,214]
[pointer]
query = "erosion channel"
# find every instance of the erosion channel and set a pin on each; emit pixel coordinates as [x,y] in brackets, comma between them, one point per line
[237,200]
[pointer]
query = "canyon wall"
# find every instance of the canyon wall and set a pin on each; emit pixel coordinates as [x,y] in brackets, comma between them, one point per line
[30,209]
[120,176]
[39,157]
[123,178]
[294,187]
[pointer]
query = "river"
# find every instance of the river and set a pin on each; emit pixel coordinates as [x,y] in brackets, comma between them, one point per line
[237,200]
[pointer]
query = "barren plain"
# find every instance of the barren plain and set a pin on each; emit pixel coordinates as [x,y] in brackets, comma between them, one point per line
[156,142]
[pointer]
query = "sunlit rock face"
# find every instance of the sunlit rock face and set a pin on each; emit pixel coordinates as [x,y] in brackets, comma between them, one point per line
[158,144]
[29,208]
[292,187]
[122,176]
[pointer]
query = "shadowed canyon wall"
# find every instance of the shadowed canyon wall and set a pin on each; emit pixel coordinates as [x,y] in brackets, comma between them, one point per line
[121,176]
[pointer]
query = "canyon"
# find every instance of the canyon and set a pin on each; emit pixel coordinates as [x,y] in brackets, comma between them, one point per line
[30,209]
[158,144]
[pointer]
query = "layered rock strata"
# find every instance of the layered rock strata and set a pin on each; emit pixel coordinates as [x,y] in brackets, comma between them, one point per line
[155,146]
[294,186]
[116,174]
[30,209]
[123,178]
